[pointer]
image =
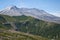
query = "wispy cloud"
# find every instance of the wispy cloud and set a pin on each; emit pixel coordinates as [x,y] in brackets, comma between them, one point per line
[56,13]
[22,4]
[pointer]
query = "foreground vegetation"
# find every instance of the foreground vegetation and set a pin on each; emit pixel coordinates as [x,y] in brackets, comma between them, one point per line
[14,35]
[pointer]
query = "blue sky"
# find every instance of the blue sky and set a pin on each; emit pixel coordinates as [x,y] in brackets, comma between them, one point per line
[51,6]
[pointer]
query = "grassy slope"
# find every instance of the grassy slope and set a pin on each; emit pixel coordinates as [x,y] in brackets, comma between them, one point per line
[9,18]
[3,22]
[38,27]
[13,35]
[32,26]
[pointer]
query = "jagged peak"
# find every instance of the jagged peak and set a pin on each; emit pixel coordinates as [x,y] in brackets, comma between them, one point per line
[11,7]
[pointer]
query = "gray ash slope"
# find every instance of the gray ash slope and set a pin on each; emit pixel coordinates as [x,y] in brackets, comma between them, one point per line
[36,13]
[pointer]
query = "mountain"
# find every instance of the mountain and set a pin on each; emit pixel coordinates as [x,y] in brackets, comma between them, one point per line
[28,24]
[12,11]
[36,13]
